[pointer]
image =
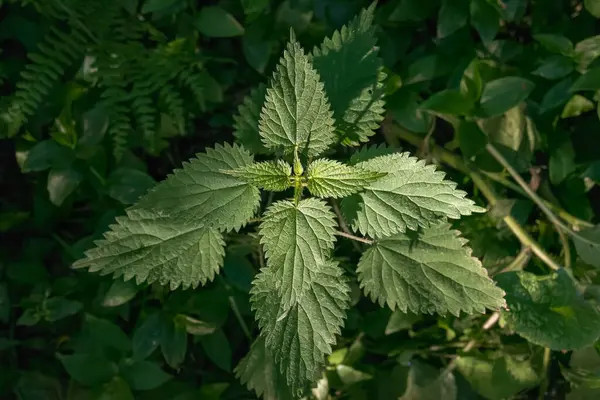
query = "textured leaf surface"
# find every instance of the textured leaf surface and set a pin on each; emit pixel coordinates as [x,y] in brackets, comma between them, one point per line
[202,190]
[328,178]
[246,121]
[412,195]
[297,239]
[498,378]
[549,311]
[350,69]
[296,112]
[258,371]
[301,333]
[270,175]
[155,248]
[433,272]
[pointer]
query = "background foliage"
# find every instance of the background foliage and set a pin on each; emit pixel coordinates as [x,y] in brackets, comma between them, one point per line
[102,98]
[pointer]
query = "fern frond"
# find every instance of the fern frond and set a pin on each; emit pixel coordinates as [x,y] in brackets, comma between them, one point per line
[174,106]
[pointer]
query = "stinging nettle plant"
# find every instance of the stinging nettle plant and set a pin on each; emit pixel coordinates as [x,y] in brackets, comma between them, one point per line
[412,261]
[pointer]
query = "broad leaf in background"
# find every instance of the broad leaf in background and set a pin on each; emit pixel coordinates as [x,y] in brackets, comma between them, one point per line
[269,175]
[258,371]
[328,178]
[498,376]
[297,239]
[155,248]
[448,101]
[300,333]
[203,192]
[213,21]
[549,310]
[431,272]
[452,16]
[427,382]
[502,94]
[485,18]
[412,195]
[350,69]
[587,243]
[296,113]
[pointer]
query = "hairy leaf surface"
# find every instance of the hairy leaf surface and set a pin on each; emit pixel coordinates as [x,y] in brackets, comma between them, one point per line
[433,272]
[269,175]
[203,191]
[155,248]
[301,333]
[258,371]
[549,311]
[412,195]
[328,178]
[350,69]
[297,239]
[296,113]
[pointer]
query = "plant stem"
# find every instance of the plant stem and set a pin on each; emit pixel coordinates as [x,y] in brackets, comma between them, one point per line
[519,262]
[545,365]
[342,223]
[352,237]
[456,162]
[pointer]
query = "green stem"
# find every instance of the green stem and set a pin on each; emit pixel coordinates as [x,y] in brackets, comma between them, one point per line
[456,162]
[352,237]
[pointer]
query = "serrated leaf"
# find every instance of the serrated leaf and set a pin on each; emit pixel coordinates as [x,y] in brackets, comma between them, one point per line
[245,125]
[433,272]
[350,69]
[300,334]
[549,311]
[412,195]
[203,191]
[368,152]
[328,178]
[258,371]
[156,248]
[297,239]
[296,113]
[269,175]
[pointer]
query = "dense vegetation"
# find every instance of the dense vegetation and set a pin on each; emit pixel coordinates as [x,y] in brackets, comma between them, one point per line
[346,277]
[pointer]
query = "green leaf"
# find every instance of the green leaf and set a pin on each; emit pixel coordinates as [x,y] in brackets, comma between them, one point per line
[555,43]
[213,21]
[327,178]
[576,106]
[61,183]
[593,7]
[349,67]
[296,113]
[116,389]
[258,371]
[269,175]
[203,191]
[588,81]
[88,369]
[127,185]
[47,154]
[119,293]
[173,343]
[453,15]
[368,152]
[296,240]
[485,19]
[106,334]
[157,5]
[144,375]
[155,248]
[400,321]
[554,67]
[300,333]
[449,101]
[246,121]
[587,243]
[549,311]
[146,337]
[498,377]
[217,348]
[557,95]
[195,326]
[428,383]
[502,94]
[432,272]
[412,195]
[57,308]
[587,51]
[562,163]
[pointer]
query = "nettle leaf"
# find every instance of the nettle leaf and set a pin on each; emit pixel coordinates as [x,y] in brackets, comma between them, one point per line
[351,71]
[296,113]
[269,175]
[203,191]
[299,334]
[297,239]
[412,195]
[258,371]
[328,178]
[368,152]
[549,311]
[156,248]
[433,272]
[245,125]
